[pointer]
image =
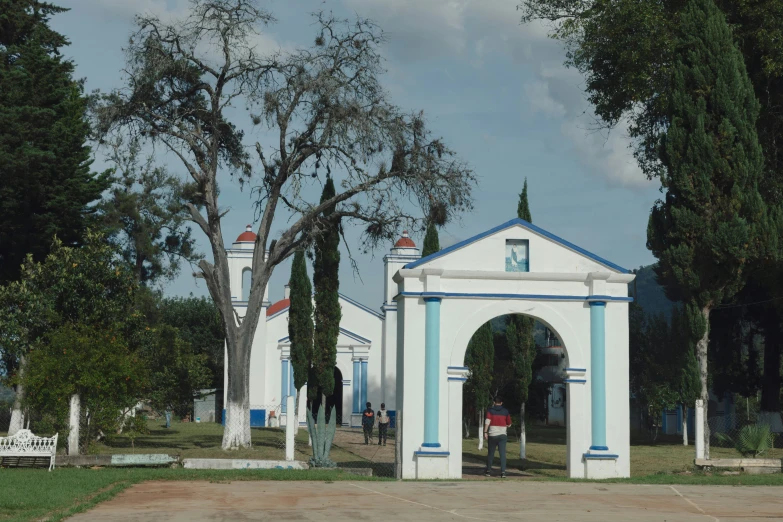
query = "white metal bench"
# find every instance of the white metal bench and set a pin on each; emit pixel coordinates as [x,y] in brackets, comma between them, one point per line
[25,449]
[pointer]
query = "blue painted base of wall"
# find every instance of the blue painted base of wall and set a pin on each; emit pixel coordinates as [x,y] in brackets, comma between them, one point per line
[257,418]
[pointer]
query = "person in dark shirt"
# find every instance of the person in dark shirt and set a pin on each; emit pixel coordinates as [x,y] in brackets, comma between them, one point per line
[368,419]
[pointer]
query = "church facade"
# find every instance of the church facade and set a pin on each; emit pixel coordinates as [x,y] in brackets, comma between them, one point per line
[366,347]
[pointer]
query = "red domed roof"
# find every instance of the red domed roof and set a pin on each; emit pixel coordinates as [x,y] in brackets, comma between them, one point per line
[405,241]
[278,307]
[248,236]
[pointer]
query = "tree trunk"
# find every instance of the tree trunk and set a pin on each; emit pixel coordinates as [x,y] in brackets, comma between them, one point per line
[701,354]
[236,433]
[73,424]
[481,430]
[17,415]
[466,423]
[684,424]
[770,384]
[522,434]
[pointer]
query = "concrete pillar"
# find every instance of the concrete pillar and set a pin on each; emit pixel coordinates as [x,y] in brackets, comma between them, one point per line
[284,372]
[598,375]
[431,373]
[699,426]
[291,383]
[290,429]
[357,377]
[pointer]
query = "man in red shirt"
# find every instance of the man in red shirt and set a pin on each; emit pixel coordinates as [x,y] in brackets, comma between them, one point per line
[496,433]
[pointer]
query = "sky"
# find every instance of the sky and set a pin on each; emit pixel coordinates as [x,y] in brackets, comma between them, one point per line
[495,90]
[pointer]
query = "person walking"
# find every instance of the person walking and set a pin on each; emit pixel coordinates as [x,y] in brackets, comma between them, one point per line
[168,417]
[383,424]
[368,419]
[496,434]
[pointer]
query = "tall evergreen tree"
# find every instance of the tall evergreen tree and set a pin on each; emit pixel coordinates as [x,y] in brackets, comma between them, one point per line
[327,303]
[431,240]
[300,322]
[480,358]
[707,231]
[521,343]
[46,186]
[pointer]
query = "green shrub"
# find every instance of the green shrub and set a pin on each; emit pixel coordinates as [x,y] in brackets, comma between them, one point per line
[753,440]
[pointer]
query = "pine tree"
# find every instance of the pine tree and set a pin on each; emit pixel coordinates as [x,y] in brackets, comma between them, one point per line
[431,241]
[46,186]
[707,231]
[480,358]
[519,335]
[300,322]
[327,304]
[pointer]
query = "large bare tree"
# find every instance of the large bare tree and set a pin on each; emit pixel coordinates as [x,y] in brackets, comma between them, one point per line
[328,114]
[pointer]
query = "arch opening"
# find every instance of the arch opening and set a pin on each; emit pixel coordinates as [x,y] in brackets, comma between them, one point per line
[540,445]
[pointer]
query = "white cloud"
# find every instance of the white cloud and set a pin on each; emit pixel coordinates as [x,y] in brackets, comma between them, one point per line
[472,31]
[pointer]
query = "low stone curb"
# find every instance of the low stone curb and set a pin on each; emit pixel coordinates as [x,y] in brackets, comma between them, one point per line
[362,472]
[119,460]
[752,466]
[243,464]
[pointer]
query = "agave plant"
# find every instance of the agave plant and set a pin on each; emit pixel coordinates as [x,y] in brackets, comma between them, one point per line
[753,440]
[322,436]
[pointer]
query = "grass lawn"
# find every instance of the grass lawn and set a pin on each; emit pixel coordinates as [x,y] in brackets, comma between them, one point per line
[546,452]
[33,494]
[202,440]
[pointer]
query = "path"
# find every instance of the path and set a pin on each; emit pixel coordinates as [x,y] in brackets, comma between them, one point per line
[437,501]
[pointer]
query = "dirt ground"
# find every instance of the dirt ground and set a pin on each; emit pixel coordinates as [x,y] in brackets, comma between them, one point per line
[437,501]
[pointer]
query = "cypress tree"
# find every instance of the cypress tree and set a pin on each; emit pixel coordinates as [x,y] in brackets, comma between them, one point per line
[327,303]
[519,336]
[46,186]
[707,231]
[480,358]
[431,241]
[300,321]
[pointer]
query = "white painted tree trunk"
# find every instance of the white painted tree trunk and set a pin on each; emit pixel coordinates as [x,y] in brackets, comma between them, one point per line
[481,430]
[73,424]
[17,414]
[522,434]
[701,353]
[684,425]
[236,434]
[465,422]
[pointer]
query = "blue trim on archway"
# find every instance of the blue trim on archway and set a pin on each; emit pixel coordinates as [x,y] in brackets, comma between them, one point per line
[529,226]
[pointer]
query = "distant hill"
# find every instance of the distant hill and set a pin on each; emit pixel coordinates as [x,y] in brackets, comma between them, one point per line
[649,294]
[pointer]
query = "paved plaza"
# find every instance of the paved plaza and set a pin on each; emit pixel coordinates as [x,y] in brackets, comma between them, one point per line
[438,501]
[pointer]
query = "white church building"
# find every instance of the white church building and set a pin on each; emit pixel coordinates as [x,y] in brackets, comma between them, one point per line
[366,348]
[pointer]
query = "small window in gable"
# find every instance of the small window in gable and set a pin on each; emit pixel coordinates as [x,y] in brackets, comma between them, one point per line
[247,275]
[517,255]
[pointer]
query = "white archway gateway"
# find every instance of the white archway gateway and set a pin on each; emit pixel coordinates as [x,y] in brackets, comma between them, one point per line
[513,268]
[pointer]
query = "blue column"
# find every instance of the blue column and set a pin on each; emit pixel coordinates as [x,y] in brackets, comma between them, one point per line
[291,383]
[284,383]
[357,377]
[364,383]
[431,366]
[598,374]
